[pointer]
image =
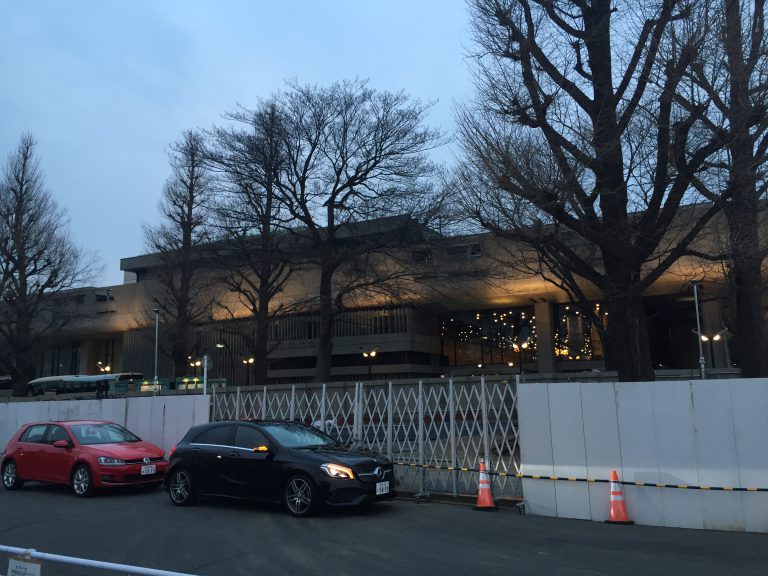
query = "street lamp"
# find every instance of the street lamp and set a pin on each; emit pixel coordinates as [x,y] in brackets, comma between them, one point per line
[702,368]
[370,355]
[157,334]
[248,362]
[104,367]
[717,337]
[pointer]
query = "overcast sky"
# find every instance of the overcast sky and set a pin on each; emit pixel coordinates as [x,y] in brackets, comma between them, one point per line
[105,86]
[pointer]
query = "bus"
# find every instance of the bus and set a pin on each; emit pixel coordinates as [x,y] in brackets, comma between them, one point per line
[108,384]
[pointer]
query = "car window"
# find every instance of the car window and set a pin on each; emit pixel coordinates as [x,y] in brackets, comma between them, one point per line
[249,437]
[293,435]
[34,434]
[102,434]
[221,435]
[56,433]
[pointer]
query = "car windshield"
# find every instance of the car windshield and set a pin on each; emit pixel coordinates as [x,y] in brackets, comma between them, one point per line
[297,436]
[102,434]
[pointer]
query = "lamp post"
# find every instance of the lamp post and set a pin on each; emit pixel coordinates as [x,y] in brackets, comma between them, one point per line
[248,362]
[702,368]
[717,337]
[157,334]
[370,355]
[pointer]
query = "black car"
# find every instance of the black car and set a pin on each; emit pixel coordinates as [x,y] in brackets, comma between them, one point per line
[275,461]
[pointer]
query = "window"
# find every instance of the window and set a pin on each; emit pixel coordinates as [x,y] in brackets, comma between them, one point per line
[422,256]
[457,251]
[248,437]
[218,435]
[34,434]
[56,433]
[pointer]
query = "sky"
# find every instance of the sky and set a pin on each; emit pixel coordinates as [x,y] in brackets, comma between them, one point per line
[105,86]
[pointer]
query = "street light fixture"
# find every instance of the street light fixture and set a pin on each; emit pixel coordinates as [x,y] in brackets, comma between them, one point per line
[370,355]
[717,337]
[248,363]
[157,334]
[104,367]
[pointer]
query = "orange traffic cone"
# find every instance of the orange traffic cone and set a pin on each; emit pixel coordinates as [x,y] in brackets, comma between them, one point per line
[618,514]
[484,497]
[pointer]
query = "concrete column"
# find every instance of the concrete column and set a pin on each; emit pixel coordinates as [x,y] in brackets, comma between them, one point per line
[545,337]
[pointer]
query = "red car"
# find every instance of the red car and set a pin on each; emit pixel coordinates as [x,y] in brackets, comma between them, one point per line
[85,454]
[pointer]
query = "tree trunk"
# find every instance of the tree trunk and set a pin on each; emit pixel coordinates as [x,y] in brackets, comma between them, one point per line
[746,284]
[629,355]
[261,343]
[325,327]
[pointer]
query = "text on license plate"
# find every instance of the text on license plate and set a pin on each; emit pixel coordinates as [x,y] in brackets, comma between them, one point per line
[148,469]
[382,488]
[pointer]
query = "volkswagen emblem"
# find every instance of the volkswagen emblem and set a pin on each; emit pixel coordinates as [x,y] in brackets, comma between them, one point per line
[146,459]
[379,471]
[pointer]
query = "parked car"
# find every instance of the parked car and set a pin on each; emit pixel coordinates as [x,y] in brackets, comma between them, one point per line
[86,454]
[275,461]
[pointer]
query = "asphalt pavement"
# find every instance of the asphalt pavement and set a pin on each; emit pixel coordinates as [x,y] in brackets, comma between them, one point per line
[219,537]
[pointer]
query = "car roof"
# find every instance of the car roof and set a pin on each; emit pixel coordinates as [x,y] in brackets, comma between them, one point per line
[69,422]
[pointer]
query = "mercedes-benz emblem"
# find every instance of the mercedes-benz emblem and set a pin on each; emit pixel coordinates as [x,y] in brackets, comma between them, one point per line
[379,471]
[146,459]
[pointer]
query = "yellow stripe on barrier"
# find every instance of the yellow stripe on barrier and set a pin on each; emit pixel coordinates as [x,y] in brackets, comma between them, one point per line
[728,488]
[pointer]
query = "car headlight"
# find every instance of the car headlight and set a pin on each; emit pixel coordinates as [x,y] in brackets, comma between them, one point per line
[336,471]
[109,461]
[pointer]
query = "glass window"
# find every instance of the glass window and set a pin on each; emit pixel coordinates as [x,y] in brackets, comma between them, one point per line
[56,433]
[249,437]
[102,434]
[218,435]
[577,337]
[422,256]
[34,434]
[495,336]
[297,436]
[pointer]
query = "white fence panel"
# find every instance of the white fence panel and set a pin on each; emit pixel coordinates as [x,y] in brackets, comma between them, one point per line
[161,420]
[708,434]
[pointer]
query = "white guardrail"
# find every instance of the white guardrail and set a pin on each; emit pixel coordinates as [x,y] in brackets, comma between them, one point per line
[27,562]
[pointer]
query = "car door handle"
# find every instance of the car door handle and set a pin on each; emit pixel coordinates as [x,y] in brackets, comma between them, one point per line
[235,453]
[196,449]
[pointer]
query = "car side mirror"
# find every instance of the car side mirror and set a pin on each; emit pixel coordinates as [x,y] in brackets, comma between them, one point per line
[262,449]
[61,444]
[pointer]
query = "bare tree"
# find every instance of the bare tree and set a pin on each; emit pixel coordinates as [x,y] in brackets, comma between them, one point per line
[353,154]
[732,71]
[577,148]
[38,264]
[183,297]
[250,219]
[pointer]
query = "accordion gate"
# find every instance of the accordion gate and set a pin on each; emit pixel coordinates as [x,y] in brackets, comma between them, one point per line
[431,429]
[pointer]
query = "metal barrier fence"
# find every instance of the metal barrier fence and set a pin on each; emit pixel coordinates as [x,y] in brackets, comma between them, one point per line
[28,561]
[434,428]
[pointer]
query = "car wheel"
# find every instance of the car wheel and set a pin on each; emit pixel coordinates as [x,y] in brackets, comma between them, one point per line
[300,496]
[180,487]
[11,480]
[82,484]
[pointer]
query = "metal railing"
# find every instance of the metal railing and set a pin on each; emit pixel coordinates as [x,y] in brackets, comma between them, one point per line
[30,555]
[445,423]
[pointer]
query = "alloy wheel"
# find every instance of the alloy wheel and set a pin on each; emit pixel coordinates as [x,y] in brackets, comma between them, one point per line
[180,488]
[299,496]
[10,475]
[81,481]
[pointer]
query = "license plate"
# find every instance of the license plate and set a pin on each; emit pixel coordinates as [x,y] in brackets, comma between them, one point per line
[148,469]
[382,488]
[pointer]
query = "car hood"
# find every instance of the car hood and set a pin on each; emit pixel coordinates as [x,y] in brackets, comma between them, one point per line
[341,456]
[127,451]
